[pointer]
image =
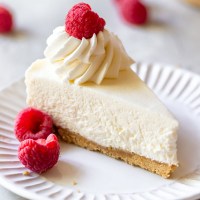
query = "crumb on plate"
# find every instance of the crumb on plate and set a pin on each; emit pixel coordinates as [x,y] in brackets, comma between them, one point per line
[26,173]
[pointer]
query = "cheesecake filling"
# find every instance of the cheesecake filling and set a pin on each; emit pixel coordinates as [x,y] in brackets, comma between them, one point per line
[109,117]
[80,61]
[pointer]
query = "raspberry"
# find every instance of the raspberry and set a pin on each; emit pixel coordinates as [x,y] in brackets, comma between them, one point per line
[39,155]
[81,22]
[134,11]
[6,20]
[31,123]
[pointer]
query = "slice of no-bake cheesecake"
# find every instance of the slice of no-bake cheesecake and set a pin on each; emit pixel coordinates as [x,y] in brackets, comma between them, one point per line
[97,102]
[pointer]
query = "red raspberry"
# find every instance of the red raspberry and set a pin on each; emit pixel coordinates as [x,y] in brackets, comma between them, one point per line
[6,20]
[134,11]
[39,155]
[81,22]
[31,123]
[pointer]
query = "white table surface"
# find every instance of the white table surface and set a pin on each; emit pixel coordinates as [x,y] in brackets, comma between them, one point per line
[172,36]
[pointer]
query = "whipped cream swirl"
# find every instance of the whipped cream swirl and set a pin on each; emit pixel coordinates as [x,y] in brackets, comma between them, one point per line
[94,59]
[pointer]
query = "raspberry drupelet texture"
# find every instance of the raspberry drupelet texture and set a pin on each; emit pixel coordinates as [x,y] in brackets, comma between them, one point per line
[31,123]
[6,20]
[39,155]
[82,22]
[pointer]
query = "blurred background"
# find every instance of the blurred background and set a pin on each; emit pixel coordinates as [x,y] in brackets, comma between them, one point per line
[171,35]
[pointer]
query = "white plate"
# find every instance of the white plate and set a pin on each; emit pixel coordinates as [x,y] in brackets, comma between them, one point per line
[99,177]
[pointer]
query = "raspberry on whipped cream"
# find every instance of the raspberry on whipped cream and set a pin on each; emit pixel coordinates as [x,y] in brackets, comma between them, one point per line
[81,22]
[83,50]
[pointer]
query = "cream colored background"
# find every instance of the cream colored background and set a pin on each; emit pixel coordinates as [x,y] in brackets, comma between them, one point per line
[172,36]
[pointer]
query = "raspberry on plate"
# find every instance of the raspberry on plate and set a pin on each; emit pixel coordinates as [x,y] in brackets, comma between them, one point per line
[82,22]
[32,123]
[39,155]
[134,11]
[6,20]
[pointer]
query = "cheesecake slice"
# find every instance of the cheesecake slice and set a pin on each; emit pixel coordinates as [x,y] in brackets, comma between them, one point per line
[99,103]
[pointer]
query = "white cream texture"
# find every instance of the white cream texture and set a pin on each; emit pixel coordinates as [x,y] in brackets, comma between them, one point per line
[102,56]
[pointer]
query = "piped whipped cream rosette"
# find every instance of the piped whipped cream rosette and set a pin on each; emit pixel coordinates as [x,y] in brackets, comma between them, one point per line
[82,60]
[94,59]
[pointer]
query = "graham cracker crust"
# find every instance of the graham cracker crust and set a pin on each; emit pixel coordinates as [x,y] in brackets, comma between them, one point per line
[161,169]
